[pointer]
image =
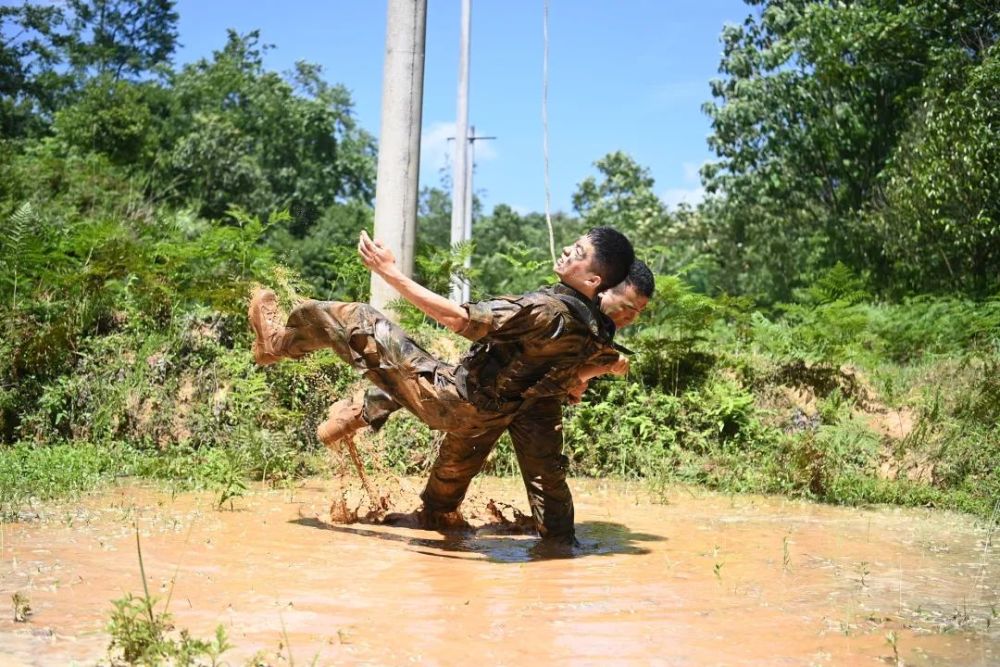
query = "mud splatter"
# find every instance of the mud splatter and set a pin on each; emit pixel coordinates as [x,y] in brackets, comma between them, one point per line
[377,501]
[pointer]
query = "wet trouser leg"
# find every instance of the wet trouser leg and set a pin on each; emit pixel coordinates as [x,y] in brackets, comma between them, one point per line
[537,435]
[371,343]
[315,325]
[378,407]
[460,458]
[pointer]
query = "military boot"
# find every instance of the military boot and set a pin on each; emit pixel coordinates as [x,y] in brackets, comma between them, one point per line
[267,319]
[342,421]
[445,522]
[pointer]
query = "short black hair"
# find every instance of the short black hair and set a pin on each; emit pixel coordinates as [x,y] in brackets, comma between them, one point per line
[613,255]
[641,278]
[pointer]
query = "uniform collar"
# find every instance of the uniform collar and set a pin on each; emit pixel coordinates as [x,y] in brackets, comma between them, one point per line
[588,310]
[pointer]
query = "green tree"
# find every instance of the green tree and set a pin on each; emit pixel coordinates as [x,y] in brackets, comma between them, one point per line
[623,199]
[434,217]
[939,216]
[246,136]
[30,85]
[813,101]
[124,120]
[120,38]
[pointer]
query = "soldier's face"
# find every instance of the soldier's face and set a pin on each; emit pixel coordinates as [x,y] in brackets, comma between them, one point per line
[623,304]
[574,265]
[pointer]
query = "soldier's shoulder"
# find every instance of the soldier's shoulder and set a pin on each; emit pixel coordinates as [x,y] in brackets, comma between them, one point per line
[540,296]
[552,304]
[535,298]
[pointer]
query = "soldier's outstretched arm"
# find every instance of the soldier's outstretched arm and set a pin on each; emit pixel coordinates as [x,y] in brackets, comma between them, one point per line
[380,260]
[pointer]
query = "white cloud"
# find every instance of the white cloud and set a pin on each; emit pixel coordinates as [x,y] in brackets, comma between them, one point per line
[437,152]
[692,171]
[691,191]
[673,197]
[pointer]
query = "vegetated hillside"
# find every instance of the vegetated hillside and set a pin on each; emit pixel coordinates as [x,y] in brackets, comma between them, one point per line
[826,323]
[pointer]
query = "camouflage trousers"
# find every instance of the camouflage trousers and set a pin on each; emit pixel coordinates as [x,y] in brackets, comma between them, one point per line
[408,376]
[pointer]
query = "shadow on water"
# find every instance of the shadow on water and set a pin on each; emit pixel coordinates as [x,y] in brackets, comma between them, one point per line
[595,538]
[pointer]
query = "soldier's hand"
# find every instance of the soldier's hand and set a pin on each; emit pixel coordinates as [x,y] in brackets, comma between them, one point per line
[620,367]
[576,393]
[375,255]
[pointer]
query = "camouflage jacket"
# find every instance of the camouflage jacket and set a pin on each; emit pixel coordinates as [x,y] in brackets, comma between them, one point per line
[531,346]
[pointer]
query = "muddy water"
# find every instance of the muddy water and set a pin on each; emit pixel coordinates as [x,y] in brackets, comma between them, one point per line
[701,580]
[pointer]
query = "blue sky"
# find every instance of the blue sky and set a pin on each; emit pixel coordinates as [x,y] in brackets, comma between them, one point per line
[625,75]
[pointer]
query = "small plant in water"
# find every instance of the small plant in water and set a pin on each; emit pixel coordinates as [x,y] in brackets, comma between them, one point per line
[961,615]
[231,483]
[22,607]
[136,631]
[863,573]
[140,635]
[786,556]
[893,641]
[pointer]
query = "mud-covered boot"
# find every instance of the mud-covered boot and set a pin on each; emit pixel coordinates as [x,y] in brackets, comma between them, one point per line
[342,421]
[267,321]
[444,522]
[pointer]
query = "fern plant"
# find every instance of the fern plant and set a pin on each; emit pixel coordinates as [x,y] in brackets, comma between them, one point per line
[17,247]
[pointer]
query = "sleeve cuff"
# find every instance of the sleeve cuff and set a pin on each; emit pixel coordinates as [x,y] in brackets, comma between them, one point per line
[608,355]
[480,321]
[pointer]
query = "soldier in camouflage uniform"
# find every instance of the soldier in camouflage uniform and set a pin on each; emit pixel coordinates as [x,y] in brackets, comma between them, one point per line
[529,352]
[622,304]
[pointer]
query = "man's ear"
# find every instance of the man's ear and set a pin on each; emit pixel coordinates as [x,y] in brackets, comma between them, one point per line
[593,281]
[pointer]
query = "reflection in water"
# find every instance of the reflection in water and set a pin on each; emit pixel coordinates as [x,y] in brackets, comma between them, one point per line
[595,538]
[699,580]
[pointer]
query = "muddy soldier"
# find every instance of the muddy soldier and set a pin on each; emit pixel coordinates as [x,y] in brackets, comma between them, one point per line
[530,351]
[622,304]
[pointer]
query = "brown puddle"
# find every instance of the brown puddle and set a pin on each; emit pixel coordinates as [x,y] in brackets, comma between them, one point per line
[702,580]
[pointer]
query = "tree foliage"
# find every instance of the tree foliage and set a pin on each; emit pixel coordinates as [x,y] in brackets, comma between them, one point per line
[938,216]
[120,38]
[858,161]
[822,110]
[30,49]
[249,137]
[623,198]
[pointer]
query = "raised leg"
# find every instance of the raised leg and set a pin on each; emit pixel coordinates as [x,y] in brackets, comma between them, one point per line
[349,415]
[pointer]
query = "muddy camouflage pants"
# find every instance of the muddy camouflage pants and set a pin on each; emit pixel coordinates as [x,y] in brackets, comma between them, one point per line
[410,377]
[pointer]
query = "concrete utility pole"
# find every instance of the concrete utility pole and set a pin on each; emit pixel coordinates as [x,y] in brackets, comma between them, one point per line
[396,189]
[470,155]
[459,178]
[470,167]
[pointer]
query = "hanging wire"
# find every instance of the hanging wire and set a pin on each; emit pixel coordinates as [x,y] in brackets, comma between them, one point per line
[545,127]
